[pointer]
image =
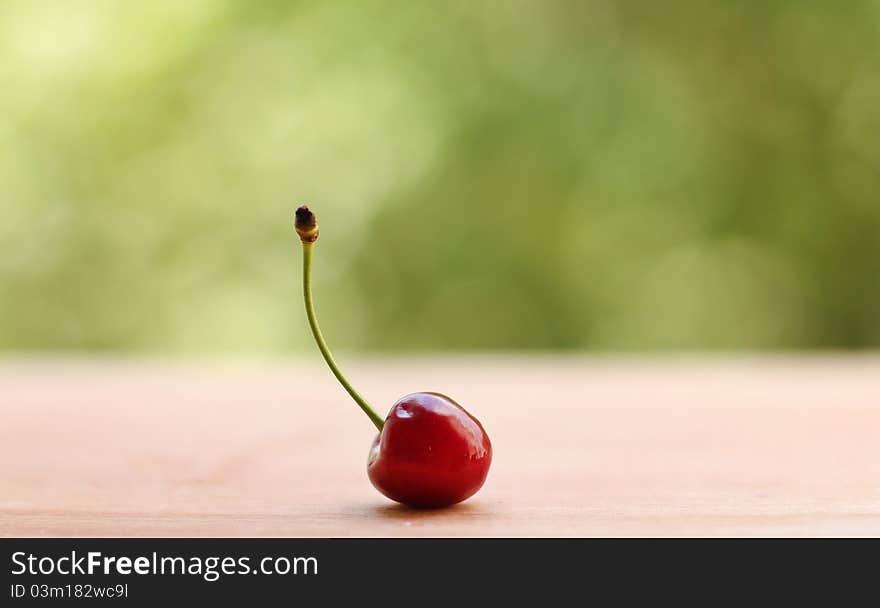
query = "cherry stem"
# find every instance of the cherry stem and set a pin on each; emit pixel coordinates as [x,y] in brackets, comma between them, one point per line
[308,249]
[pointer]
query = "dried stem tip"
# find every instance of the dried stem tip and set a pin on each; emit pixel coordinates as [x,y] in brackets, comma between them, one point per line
[306,225]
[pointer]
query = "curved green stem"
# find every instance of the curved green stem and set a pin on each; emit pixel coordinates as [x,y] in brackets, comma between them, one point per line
[319,338]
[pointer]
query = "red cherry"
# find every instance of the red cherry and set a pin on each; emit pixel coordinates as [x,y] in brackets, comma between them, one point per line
[431,452]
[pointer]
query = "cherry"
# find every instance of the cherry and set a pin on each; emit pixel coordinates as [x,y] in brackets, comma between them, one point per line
[430,452]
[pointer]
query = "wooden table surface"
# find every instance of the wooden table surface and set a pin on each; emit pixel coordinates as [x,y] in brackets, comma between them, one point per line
[583,447]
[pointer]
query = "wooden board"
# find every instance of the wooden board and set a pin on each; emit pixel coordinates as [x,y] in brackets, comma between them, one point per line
[583,447]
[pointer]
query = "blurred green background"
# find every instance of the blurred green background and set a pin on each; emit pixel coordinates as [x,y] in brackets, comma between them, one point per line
[501,175]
